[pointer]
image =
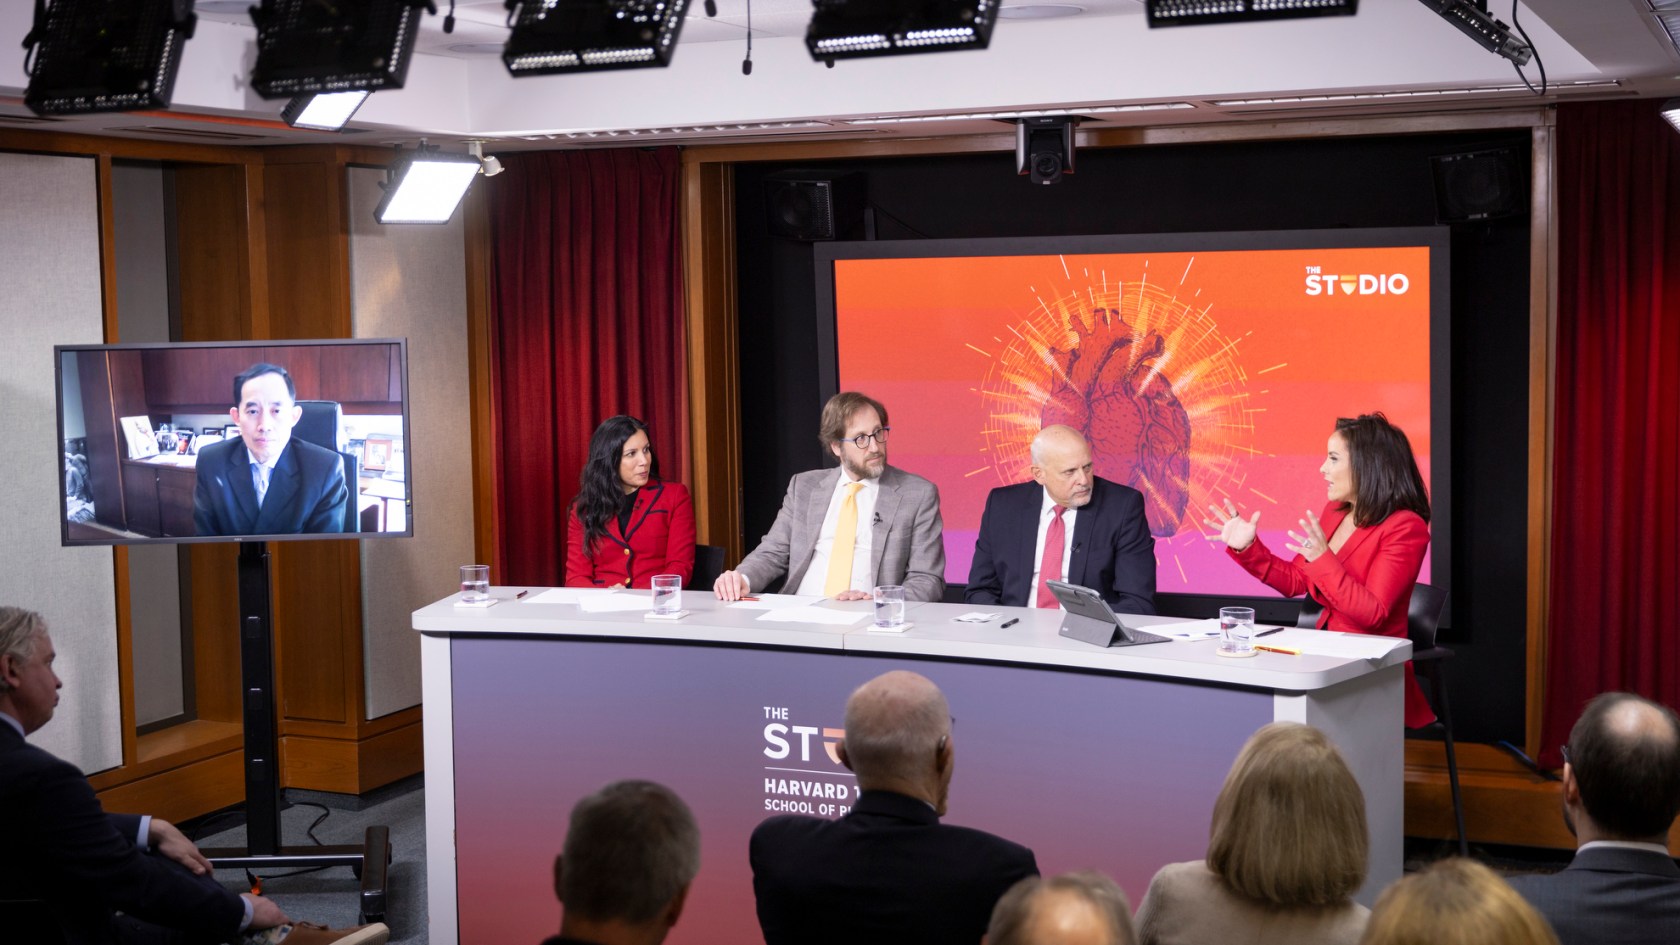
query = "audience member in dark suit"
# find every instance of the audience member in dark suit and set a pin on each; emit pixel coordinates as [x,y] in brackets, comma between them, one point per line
[1079,908]
[888,871]
[843,532]
[1621,793]
[631,853]
[266,483]
[1286,852]
[1455,902]
[89,866]
[1085,530]
[627,525]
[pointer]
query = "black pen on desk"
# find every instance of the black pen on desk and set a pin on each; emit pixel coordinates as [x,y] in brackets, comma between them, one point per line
[521,593]
[1267,633]
[1012,621]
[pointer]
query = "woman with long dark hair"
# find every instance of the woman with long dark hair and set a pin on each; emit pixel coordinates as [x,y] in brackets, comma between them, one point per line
[627,524]
[1360,557]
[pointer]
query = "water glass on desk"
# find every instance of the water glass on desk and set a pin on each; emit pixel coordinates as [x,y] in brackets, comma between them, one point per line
[667,593]
[889,606]
[1236,631]
[475,583]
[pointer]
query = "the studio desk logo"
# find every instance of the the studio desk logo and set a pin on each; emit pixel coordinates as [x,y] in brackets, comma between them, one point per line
[804,774]
[1322,283]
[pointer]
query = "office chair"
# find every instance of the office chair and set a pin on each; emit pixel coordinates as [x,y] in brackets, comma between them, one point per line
[322,424]
[1423,619]
[708,564]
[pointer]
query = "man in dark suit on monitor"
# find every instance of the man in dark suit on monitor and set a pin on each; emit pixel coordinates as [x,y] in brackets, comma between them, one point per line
[1621,793]
[1066,525]
[888,872]
[265,482]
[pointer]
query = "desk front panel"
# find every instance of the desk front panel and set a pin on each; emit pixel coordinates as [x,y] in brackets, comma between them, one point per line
[1089,770]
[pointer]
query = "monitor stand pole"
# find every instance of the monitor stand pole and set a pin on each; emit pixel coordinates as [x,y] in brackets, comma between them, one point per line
[262,769]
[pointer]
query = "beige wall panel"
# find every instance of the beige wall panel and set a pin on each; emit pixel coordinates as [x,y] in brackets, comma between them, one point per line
[50,270]
[410,282]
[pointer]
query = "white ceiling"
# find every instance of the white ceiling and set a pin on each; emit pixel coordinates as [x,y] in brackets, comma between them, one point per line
[1394,56]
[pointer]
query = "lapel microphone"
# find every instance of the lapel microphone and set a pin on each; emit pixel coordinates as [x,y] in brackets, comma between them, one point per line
[876,519]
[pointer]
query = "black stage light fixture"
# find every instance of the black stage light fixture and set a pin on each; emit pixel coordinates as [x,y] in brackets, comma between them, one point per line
[848,29]
[308,46]
[586,35]
[1191,12]
[1473,19]
[1671,112]
[104,55]
[1044,147]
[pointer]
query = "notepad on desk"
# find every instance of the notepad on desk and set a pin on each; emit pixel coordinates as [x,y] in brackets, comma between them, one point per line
[1351,646]
[822,615]
[776,601]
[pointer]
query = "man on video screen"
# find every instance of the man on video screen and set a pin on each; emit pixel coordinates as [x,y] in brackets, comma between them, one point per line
[266,483]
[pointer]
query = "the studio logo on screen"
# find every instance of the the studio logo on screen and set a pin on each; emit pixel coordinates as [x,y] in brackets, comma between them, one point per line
[1322,283]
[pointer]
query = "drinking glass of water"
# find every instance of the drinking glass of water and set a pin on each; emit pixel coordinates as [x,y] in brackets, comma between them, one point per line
[475,583]
[667,593]
[1236,631]
[889,606]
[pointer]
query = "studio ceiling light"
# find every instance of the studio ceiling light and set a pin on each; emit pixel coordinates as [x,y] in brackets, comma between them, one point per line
[310,46]
[425,186]
[585,35]
[1191,12]
[323,111]
[848,29]
[1472,18]
[1671,112]
[104,55]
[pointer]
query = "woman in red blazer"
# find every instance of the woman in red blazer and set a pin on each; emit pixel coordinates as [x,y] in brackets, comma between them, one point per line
[1362,560]
[627,525]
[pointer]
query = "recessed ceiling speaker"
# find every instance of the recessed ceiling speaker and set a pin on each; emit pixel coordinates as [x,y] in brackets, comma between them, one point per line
[1479,185]
[809,207]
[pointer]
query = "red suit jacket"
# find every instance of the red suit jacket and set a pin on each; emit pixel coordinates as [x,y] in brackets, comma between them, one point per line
[660,540]
[1365,588]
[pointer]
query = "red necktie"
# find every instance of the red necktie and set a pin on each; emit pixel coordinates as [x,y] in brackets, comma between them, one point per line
[1050,566]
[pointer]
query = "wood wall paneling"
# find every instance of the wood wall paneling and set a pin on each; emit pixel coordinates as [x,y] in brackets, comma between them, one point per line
[214,252]
[105,442]
[213,576]
[714,389]
[480,374]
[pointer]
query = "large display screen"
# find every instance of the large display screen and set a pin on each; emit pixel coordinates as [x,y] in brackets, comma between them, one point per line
[1200,367]
[248,440]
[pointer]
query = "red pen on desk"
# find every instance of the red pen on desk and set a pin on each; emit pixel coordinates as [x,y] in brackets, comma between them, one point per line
[754,599]
[521,594]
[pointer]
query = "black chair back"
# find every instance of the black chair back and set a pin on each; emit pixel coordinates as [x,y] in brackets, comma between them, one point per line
[1423,618]
[322,423]
[1310,609]
[708,564]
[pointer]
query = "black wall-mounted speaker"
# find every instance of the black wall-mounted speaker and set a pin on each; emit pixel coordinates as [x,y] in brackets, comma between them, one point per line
[810,207]
[1479,185]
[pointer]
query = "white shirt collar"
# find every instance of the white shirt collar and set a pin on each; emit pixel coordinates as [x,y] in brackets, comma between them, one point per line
[269,465]
[1624,845]
[1044,508]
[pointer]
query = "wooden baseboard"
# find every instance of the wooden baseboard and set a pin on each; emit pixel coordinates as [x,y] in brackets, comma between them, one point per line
[184,792]
[344,766]
[1504,802]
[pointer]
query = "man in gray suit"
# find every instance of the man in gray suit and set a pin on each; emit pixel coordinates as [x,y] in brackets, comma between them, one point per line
[1621,793]
[884,521]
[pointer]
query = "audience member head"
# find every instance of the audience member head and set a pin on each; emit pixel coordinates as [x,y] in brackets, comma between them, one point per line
[621,460]
[28,685]
[1383,475]
[1286,776]
[265,409]
[898,737]
[631,852]
[1455,902]
[1061,463]
[1621,778]
[847,417]
[1080,908]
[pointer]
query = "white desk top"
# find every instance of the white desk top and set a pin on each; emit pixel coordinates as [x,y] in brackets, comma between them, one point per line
[1033,641]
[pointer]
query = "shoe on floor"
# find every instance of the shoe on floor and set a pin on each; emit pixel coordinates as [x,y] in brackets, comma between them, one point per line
[308,933]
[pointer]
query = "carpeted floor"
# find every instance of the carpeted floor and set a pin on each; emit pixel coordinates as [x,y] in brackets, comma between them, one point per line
[330,896]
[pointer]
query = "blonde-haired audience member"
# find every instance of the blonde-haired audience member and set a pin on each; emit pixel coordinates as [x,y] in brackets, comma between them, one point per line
[1079,908]
[1455,902]
[1286,852]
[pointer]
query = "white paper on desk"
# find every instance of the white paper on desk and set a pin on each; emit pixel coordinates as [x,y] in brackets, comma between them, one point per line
[1190,630]
[1350,646]
[613,603]
[838,618]
[777,601]
[571,595]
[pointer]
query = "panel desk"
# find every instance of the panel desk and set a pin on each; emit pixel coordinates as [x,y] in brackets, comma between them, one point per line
[1107,759]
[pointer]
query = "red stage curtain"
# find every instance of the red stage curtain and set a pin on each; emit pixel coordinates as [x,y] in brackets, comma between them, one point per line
[587,322]
[1615,573]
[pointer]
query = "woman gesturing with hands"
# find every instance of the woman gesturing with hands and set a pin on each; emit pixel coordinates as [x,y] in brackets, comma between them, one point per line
[1360,556]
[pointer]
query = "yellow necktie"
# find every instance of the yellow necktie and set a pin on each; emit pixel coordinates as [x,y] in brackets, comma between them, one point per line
[845,541]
